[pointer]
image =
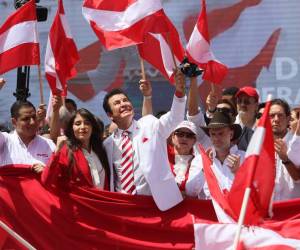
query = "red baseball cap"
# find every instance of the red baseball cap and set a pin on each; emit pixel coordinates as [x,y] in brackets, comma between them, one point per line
[249,91]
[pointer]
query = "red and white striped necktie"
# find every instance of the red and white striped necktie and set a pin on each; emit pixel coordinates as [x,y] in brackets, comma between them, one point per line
[127,177]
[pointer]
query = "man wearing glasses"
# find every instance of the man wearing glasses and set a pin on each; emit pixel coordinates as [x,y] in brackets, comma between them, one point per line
[247,105]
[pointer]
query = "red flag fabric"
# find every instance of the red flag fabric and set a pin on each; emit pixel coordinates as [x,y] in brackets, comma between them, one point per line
[124,23]
[160,50]
[61,53]
[256,172]
[87,218]
[19,44]
[198,51]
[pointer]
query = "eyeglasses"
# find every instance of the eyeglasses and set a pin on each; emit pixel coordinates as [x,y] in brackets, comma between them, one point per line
[182,134]
[246,101]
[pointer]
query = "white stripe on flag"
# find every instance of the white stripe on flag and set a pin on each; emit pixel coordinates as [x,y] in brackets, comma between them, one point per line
[199,48]
[166,54]
[66,26]
[115,21]
[220,237]
[256,142]
[18,34]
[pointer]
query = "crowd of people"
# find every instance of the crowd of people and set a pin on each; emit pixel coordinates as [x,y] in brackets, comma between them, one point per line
[157,155]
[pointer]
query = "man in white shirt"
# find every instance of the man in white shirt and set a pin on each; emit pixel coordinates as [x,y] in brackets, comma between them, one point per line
[148,135]
[247,106]
[226,158]
[287,175]
[23,146]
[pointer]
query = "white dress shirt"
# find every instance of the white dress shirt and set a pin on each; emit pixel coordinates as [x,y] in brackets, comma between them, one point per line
[140,183]
[14,151]
[294,150]
[196,185]
[285,187]
[96,169]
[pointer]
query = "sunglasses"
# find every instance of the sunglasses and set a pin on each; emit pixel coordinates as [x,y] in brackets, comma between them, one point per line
[184,134]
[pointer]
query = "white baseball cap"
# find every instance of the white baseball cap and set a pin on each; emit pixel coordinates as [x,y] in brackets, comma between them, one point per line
[189,125]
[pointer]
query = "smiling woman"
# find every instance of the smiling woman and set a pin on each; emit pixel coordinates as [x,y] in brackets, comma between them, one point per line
[80,157]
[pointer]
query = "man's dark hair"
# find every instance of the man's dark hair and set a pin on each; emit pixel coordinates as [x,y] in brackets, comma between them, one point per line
[113,92]
[72,102]
[283,104]
[17,105]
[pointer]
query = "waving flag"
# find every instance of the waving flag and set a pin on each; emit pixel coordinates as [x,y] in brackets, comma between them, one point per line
[124,23]
[271,236]
[257,173]
[160,50]
[19,44]
[199,51]
[61,53]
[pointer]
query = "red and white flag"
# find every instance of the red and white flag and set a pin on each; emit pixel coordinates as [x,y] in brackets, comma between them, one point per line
[161,50]
[123,23]
[61,53]
[272,236]
[19,45]
[199,52]
[257,172]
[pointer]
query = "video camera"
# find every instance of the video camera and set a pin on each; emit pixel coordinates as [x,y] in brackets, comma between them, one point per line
[41,12]
[190,69]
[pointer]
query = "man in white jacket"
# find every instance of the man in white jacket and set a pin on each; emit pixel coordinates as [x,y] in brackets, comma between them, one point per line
[148,135]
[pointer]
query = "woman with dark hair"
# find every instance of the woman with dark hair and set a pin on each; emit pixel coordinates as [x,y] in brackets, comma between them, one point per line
[80,158]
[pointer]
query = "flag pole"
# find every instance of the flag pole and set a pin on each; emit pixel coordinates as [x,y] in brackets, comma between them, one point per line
[41,84]
[143,74]
[245,201]
[16,236]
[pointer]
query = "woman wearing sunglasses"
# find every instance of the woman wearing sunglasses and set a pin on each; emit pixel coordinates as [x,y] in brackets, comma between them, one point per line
[181,154]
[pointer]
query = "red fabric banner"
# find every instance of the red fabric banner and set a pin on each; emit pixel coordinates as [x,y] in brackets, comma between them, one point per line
[92,219]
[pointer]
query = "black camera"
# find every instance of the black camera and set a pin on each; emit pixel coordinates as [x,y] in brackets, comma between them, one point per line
[190,69]
[41,12]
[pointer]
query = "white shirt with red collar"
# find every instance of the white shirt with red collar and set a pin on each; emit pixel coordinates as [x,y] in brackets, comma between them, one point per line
[14,151]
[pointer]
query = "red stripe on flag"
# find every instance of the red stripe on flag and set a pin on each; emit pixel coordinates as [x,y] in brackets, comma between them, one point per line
[134,34]
[24,54]
[26,13]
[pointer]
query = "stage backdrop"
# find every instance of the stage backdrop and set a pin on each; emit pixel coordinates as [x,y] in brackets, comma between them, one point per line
[257,39]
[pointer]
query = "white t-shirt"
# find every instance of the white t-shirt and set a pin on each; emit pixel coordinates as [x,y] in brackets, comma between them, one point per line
[14,151]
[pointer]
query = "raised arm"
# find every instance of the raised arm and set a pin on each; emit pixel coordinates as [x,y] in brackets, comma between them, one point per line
[146,89]
[54,120]
[168,122]
[193,98]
